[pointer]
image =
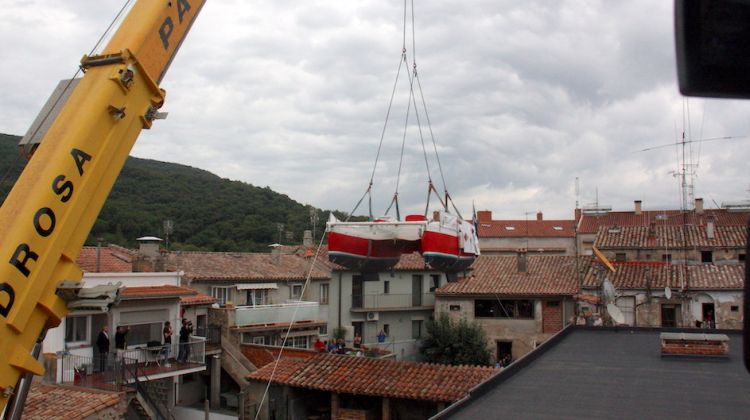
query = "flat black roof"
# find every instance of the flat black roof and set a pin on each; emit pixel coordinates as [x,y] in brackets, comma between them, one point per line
[599,373]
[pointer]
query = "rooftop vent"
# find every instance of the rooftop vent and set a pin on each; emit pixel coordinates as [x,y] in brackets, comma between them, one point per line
[510,228]
[694,345]
[613,230]
[557,227]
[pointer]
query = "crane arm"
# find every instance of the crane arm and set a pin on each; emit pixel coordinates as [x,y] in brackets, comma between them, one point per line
[50,210]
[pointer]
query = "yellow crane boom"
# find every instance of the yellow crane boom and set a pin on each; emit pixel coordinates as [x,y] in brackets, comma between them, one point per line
[49,212]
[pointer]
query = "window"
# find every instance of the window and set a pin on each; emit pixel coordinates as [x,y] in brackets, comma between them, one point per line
[324,293]
[416,329]
[257,297]
[298,342]
[141,334]
[734,308]
[387,329]
[222,294]
[517,309]
[434,282]
[707,257]
[741,257]
[454,307]
[296,292]
[667,258]
[620,256]
[386,287]
[323,330]
[76,329]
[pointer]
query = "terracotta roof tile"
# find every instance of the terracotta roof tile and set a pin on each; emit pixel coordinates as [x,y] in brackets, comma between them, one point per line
[112,259]
[591,223]
[165,291]
[376,377]
[53,402]
[260,355]
[673,237]
[197,299]
[526,228]
[243,266]
[659,276]
[545,275]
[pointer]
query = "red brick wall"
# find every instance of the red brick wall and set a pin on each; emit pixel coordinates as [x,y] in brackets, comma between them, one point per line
[551,316]
[699,348]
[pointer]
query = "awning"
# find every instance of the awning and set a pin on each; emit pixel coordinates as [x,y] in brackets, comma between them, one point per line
[252,286]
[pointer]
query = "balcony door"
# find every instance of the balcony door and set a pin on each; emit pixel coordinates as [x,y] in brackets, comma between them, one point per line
[357,291]
[416,290]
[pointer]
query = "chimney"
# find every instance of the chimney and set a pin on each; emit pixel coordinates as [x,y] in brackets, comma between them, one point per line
[539,215]
[698,206]
[638,209]
[577,214]
[484,215]
[710,227]
[521,260]
[148,246]
[276,253]
[307,239]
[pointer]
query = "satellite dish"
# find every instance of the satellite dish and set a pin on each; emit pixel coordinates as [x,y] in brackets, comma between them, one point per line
[608,290]
[668,292]
[615,313]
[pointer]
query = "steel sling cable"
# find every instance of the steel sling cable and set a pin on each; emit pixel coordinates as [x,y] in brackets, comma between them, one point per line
[65,89]
[291,324]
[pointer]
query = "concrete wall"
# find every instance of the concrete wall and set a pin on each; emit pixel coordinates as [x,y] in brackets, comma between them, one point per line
[525,334]
[649,307]
[399,319]
[544,246]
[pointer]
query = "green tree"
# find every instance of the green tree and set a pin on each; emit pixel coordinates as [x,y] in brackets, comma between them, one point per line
[454,343]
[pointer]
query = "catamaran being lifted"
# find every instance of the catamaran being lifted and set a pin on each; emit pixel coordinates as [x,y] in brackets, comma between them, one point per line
[447,242]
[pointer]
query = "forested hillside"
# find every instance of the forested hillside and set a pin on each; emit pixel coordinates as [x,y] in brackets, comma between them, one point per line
[208,212]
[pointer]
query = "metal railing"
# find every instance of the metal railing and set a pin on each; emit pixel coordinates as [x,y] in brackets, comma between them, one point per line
[273,314]
[193,351]
[392,300]
[94,372]
[136,371]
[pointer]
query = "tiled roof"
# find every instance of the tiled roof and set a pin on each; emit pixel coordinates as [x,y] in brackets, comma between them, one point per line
[591,223]
[524,228]
[689,236]
[53,402]
[376,377]
[243,266]
[197,299]
[165,291]
[545,275]
[112,259]
[260,355]
[659,276]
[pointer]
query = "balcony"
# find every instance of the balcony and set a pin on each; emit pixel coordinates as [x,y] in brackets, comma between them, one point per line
[126,367]
[276,314]
[392,301]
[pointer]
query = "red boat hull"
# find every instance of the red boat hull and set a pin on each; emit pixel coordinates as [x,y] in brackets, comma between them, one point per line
[363,254]
[442,252]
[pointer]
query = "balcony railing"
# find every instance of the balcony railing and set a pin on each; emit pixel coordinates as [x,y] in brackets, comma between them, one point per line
[116,370]
[274,314]
[392,300]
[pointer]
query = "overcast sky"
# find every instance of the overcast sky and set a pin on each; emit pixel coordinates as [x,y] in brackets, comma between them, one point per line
[523,96]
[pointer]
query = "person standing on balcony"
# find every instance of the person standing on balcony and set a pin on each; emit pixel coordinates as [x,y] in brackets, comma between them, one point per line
[167,333]
[185,331]
[120,335]
[102,343]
